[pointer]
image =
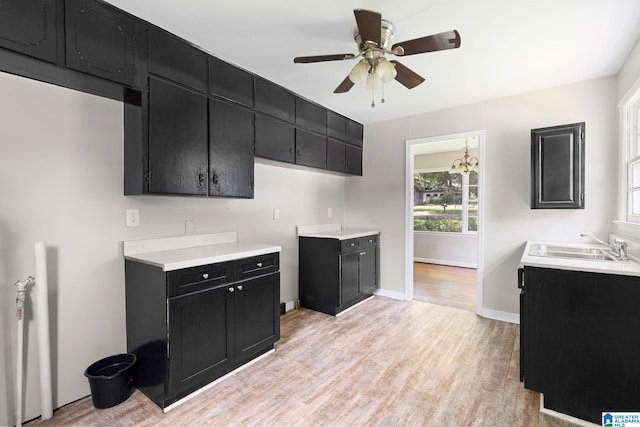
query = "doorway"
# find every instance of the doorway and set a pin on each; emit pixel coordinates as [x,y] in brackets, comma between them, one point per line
[445,236]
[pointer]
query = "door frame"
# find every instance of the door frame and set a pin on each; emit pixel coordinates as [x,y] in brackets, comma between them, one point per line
[410,145]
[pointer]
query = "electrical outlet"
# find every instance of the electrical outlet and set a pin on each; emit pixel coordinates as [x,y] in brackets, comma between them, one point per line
[329,212]
[276,214]
[133,217]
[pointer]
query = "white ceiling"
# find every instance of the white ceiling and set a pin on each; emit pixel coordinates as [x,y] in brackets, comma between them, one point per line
[508,46]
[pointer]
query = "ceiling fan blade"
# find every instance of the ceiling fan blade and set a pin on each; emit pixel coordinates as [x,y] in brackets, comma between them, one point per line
[321,58]
[369,25]
[407,77]
[344,86]
[432,43]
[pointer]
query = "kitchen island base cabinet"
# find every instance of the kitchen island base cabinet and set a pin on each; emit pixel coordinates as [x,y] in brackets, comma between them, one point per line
[578,337]
[335,274]
[190,327]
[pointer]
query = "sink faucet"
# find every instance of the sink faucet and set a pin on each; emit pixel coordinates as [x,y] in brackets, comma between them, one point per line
[618,247]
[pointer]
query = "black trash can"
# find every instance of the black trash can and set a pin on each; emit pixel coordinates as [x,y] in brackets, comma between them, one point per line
[111,379]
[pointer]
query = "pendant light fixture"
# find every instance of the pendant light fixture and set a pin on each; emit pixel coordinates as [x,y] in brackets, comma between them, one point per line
[466,163]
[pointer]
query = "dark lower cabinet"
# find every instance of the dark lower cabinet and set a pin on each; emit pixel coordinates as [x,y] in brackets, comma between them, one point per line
[577,340]
[100,40]
[30,27]
[178,139]
[336,274]
[230,150]
[189,327]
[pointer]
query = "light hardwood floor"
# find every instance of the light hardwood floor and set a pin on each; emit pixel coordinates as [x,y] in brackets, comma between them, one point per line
[384,363]
[445,285]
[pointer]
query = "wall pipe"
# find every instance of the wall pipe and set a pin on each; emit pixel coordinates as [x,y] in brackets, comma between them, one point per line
[42,319]
[21,288]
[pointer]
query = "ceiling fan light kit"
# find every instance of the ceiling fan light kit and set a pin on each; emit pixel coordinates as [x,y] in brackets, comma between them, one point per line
[373,36]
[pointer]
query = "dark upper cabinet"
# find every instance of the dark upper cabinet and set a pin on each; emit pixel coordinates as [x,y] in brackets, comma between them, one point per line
[336,126]
[100,40]
[336,155]
[177,139]
[176,60]
[230,82]
[353,157]
[311,149]
[557,167]
[29,27]
[354,133]
[275,100]
[275,139]
[230,150]
[311,116]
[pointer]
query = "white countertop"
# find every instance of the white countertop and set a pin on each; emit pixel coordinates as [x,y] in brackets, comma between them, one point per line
[175,253]
[342,234]
[625,268]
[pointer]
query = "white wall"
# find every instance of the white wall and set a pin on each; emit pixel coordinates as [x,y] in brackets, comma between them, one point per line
[509,222]
[630,71]
[61,180]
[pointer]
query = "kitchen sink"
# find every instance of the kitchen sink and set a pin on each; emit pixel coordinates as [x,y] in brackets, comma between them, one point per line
[556,251]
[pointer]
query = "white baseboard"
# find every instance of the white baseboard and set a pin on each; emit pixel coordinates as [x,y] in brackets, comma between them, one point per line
[290,305]
[446,262]
[391,294]
[503,316]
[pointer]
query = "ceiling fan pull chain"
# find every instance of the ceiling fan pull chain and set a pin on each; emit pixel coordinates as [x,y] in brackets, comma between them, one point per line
[373,103]
[382,99]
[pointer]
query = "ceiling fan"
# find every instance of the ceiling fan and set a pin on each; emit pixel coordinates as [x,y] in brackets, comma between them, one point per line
[373,36]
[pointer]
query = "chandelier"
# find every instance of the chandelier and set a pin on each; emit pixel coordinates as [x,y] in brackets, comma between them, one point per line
[466,163]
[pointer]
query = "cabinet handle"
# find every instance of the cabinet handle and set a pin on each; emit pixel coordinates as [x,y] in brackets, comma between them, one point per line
[259,264]
[299,152]
[214,179]
[200,178]
[205,276]
[362,253]
[291,150]
[240,287]
[231,289]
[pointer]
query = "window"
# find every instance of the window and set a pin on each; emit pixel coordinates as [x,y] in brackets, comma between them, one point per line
[631,120]
[445,202]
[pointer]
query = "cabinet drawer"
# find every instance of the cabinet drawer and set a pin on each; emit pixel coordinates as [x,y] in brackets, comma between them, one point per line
[350,244]
[256,266]
[369,241]
[197,278]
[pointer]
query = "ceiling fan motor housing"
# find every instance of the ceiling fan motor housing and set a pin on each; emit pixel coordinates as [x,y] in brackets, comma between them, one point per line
[387,29]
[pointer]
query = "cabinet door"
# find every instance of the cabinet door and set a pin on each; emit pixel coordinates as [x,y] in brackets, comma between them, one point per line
[368,270]
[354,133]
[257,324]
[230,82]
[311,116]
[311,149]
[557,167]
[274,139]
[275,100]
[353,157]
[201,339]
[177,60]
[350,279]
[230,150]
[177,139]
[100,40]
[335,155]
[29,27]
[336,126]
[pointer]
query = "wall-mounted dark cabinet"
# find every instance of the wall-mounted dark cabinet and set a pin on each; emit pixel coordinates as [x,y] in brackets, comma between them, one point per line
[311,116]
[178,139]
[176,60]
[275,100]
[230,82]
[336,126]
[311,149]
[354,133]
[336,160]
[557,167]
[100,40]
[230,150]
[30,27]
[275,140]
[191,326]
[353,157]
